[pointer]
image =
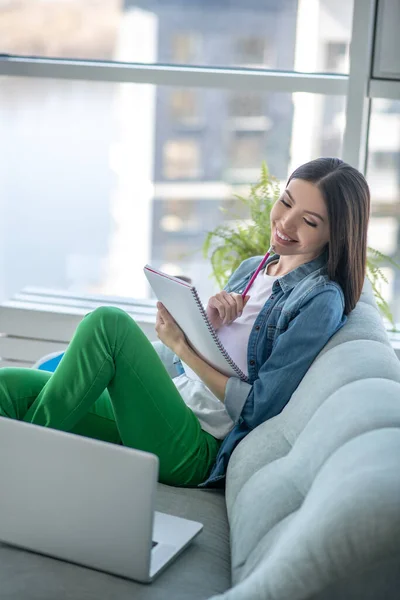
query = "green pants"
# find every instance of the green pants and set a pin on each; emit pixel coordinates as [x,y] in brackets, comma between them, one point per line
[111,385]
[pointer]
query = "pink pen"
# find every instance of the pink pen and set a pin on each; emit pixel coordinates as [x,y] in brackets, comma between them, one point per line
[260,266]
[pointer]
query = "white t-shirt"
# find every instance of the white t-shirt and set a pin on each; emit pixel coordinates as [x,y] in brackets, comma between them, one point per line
[212,413]
[235,336]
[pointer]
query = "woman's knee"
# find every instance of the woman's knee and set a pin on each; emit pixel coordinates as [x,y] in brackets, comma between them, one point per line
[112,319]
[109,314]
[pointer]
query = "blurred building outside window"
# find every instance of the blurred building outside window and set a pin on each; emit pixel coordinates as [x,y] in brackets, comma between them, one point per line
[182,159]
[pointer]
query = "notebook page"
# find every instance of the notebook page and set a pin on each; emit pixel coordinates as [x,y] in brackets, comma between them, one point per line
[179,299]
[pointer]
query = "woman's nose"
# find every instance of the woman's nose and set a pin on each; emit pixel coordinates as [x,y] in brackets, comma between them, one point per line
[289,224]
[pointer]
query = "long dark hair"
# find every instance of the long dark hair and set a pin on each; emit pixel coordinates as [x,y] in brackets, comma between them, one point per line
[347,198]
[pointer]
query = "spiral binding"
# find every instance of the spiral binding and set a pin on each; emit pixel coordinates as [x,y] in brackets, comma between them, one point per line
[215,337]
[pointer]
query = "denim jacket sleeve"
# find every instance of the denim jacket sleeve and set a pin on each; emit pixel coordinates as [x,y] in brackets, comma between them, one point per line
[294,351]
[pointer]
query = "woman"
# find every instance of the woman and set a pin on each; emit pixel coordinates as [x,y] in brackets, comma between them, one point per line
[112,385]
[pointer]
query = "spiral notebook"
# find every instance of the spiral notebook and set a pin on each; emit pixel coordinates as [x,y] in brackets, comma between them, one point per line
[183,303]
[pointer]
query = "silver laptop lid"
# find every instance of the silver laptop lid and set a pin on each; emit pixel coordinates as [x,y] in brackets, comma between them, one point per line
[75,498]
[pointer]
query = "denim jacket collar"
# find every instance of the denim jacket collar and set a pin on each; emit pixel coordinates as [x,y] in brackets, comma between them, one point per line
[288,281]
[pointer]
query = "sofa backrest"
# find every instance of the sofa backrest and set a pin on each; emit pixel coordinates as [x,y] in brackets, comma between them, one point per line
[284,471]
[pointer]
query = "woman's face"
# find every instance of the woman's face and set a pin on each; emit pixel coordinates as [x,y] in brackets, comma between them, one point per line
[292,217]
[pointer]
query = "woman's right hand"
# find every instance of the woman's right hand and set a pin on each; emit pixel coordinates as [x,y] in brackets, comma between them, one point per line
[224,307]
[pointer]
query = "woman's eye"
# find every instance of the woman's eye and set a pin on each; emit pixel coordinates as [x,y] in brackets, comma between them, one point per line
[311,224]
[308,222]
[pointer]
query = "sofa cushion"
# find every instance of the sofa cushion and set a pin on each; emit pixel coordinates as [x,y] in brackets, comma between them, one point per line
[346,363]
[202,570]
[331,505]
[355,328]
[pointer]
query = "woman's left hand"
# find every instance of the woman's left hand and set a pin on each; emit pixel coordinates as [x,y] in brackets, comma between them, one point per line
[168,331]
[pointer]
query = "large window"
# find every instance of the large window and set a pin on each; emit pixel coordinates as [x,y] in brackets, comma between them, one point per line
[250,33]
[97,179]
[106,166]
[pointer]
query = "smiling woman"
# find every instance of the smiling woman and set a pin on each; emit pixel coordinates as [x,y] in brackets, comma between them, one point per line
[337,198]
[291,228]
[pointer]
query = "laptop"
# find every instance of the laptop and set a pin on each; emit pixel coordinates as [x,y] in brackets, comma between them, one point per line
[85,501]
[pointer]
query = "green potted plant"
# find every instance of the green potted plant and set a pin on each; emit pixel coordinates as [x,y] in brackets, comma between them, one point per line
[227,246]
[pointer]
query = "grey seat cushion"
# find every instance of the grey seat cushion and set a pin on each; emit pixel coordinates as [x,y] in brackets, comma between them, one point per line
[201,571]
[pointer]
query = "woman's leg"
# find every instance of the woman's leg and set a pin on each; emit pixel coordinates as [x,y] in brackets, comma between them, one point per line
[19,389]
[110,351]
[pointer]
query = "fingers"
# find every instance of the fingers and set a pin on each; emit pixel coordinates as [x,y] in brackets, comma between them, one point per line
[161,315]
[162,311]
[221,304]
[164,316]
[164,322]
[159,322]
[228,305]
[232,307]
[240,303]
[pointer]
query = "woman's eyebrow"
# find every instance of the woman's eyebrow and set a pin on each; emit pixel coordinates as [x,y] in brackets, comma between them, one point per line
[307,211]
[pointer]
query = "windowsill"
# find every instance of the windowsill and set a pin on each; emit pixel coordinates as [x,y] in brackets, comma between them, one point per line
[77,304]
[37,321]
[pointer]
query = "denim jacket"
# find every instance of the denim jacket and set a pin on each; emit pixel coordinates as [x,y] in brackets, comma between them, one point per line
[303,312]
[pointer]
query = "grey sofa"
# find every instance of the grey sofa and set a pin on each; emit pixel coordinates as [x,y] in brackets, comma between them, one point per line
[312,503]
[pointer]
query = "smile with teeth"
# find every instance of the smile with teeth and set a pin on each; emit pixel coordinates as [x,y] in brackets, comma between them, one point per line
[283,237]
